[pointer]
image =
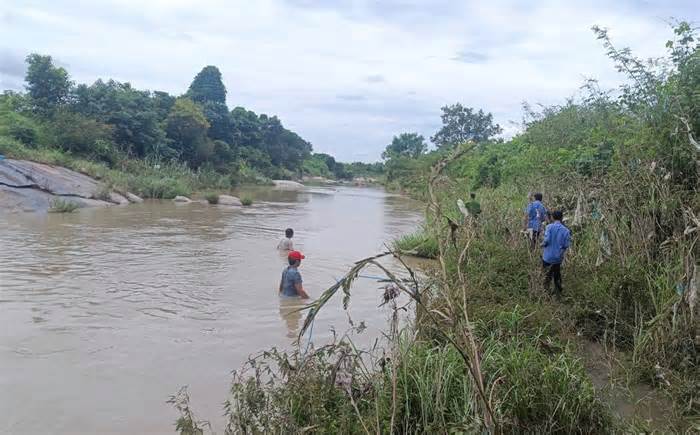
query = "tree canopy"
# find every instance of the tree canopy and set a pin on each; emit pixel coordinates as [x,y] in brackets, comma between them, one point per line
[407,145]
[108,119]
[48,86]
[208,87]
[464,124]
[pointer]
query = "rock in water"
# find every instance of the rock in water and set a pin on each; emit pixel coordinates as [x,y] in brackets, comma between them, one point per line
[287,185]
[118,198]
[181,199]
[133,198]
[229,200]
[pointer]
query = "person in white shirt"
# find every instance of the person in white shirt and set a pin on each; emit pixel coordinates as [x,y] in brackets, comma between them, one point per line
[286,244]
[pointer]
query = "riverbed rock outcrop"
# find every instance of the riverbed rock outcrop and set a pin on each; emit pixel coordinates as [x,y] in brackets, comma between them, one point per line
[182,199]
[33,187]
[287,185]
[229,200]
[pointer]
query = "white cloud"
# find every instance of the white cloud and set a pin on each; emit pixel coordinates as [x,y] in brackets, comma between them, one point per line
[393,63]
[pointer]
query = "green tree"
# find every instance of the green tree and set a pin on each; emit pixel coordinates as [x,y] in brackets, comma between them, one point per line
[406,145]
[285,148]
[221,125]
[187,127]
[133,114]
[207,86]
[76,133]
[48,86]
[246,127]
[463,124]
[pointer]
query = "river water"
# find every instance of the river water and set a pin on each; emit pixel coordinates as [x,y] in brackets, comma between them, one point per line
[107,312]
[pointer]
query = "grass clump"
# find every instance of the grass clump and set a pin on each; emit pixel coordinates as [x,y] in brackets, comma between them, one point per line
[420,244]
[62,206]
[246,200]
[212,198]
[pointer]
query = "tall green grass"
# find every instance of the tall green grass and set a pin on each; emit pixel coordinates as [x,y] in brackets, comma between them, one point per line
[420,244]
[62,206]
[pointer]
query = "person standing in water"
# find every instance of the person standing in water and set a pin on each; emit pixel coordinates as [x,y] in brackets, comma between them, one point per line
[557,239]
[535,215]
[286,244]
[291,282]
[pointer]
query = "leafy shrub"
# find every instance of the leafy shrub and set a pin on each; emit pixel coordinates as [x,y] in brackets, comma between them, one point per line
[246,200]
[62,206]
[76,133]
[420,244]
[212,198]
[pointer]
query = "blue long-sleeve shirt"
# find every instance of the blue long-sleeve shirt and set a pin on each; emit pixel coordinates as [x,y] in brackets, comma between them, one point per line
[536,214]
[557,239]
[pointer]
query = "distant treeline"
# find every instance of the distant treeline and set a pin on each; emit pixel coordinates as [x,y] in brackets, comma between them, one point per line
[110,121]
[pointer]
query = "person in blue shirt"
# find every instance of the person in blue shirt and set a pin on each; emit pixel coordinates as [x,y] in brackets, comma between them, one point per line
[535,216]
[291,283]
[557,239]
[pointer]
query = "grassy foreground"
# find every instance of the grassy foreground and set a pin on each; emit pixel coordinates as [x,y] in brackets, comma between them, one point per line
[488,348]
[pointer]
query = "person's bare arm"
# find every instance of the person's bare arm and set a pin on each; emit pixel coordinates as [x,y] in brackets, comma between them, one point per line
[300,290]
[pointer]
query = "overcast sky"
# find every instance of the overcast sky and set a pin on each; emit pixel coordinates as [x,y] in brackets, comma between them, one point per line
[346,75]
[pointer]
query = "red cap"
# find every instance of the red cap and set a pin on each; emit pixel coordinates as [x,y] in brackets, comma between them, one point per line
[295,255]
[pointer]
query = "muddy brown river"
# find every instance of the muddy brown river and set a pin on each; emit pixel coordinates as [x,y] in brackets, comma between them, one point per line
[107,312]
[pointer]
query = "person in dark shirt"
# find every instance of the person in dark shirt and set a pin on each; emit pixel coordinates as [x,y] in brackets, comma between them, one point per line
[557,239]
[291,282]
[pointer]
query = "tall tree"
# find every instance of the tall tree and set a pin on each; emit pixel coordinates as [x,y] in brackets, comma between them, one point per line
[463,124]
[247,129]
[285,148]
[220,122]
[49,86]
[207,87]
[187,127]
[132,113]
[405,145]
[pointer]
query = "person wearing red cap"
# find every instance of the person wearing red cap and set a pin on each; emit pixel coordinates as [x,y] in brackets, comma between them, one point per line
[291,283]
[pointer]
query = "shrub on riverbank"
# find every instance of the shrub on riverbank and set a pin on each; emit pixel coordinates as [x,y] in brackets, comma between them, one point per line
[62,206]
[212,198]
[422,388]
[246,200]
[420,244]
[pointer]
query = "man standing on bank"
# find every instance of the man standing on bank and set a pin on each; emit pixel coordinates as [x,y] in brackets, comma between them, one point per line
[557,239]
[535,216]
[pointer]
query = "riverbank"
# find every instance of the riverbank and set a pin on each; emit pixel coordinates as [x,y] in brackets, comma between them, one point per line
[489,348]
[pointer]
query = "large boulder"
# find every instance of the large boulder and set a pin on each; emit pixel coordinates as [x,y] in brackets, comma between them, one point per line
[182,199]
[287,185]
[19,199]
[30,186]
[53,179]
[229,200]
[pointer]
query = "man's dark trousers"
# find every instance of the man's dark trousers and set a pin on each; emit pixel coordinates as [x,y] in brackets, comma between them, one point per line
[552,271]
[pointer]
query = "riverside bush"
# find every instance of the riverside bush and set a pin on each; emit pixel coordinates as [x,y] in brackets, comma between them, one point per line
[419,244]
[212,198]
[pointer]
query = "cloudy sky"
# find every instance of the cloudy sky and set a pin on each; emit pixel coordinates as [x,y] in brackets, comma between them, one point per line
[346,75]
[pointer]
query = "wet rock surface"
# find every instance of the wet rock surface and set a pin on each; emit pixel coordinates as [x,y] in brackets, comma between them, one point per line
[287,185]
[229,200]
[31,187]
